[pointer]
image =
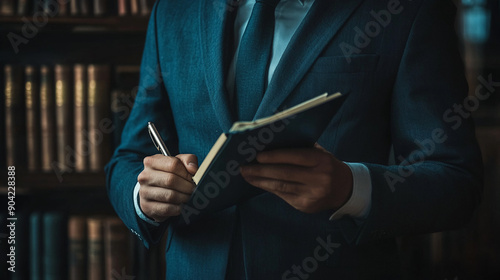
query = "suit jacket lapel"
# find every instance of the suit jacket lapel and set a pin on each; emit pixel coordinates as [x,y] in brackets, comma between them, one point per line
[216,18]
[323,21]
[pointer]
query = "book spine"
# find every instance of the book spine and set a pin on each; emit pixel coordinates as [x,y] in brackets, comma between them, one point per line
[77,240]
[32,118]
[80,116]
[22,247]
[73,7]
[7,8]
[98,116]
[145,8]
[95,267]
[84,7]
[47,118]
[22,7]
[55,250]
[36,246]
[63,115]
[63,7]
[116,247]
[100,7]
[122,8]
[134,7]
[14,115]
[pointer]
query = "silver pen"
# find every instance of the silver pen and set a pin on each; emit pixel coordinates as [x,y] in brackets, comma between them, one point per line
[156,138]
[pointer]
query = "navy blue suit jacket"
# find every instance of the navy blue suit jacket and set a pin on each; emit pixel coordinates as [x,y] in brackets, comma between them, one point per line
[402,76]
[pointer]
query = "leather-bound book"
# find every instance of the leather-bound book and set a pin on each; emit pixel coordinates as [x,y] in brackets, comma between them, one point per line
[99,121]
[14,116]
[32,98]
[63,90]
[77,241]
[47,119]
[95,248]
[117,248]
[80,116]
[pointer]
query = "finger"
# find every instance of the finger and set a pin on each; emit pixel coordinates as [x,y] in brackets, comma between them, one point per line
[155,178]
[167,164]
[303,157]
[159,211]
[163,195]
[284,172]
[318,146]
[277,187]
[190,161]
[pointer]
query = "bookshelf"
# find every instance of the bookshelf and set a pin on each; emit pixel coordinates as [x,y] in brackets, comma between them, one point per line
[76,201]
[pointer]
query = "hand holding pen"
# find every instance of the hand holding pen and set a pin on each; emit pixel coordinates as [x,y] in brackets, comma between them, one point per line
[166,181]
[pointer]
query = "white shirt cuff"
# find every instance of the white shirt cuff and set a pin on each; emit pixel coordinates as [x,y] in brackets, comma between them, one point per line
[138,208]
[359,205]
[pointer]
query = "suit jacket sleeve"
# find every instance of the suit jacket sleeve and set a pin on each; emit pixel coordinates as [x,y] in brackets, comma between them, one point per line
[436,183]
[151,104]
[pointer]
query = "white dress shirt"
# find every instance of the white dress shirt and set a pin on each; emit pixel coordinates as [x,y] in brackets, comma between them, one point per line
[288,15]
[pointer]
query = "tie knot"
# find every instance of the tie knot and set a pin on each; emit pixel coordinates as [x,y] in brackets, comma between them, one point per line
[272,3]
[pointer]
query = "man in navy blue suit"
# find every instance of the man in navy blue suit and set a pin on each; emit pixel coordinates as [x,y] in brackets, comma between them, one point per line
[397,158]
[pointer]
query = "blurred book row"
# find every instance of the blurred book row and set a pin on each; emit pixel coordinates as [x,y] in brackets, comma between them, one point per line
[65,118]
[53,245]
[85,8]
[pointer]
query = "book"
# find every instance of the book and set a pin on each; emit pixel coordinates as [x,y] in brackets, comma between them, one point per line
[122,8]
[14,116]
[145,7]
[99,123]
[100,7]
[74,7]
[22,7]
[122,97]
[134,7]
[77,248]
[47,119]
[84,7]
[32,96]
[64,8]
[117,251]
[55,246]
[64,103]
[22,246]
[219,183]
[36,246]
[80,117]
[95,248]
[7,7]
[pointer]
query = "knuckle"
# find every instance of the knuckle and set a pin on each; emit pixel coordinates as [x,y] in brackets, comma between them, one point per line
[168,195]
[172,163]
[142,178]
[148,161]
[168,180]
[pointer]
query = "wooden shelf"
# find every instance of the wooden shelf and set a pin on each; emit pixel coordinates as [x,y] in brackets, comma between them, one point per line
[33,183]
[82,24]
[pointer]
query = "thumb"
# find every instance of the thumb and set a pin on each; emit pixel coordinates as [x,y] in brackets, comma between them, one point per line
[190,161]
